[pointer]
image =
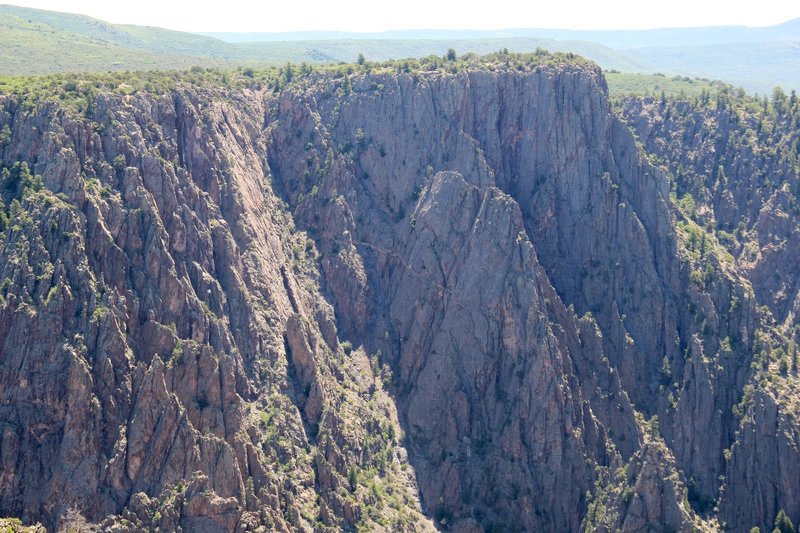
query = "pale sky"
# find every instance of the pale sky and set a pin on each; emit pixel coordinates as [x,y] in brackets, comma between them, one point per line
[371,15]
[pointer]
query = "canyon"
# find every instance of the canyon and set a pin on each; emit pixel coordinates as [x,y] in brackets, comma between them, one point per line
[476,296]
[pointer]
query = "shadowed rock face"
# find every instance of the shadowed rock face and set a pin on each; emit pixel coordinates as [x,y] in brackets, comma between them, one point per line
[383,301]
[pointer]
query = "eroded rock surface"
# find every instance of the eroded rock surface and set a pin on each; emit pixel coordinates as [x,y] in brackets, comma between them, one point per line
[382,300]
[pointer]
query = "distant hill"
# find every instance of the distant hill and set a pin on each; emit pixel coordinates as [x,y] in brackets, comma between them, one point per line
[149,39]
[621,39]
[39,42]
[757,66]
[381,49]
[681,37]
[757,58]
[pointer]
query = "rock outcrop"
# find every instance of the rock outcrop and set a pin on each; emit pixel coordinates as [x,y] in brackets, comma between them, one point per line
[454,298]
[157,301]
[736,175]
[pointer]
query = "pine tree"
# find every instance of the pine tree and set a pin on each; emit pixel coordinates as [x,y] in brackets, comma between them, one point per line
[783,524]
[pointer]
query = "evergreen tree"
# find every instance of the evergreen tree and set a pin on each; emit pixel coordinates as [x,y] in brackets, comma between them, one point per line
[783,524]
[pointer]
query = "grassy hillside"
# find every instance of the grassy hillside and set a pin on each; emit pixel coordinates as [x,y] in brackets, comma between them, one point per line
[757,66]
[40,42]
[32,48]
[76,44]
[621,84]
[149,39]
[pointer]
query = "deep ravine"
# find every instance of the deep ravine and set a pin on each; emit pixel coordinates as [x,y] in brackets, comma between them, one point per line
[471,298]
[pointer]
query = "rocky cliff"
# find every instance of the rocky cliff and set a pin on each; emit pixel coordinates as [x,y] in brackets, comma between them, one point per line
[418,295]
[736,178]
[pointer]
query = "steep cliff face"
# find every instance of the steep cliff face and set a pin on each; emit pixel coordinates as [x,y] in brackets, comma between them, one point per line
[482,381]
[456,297]
[601,223]
[736,175]
[163,332]
[738,159]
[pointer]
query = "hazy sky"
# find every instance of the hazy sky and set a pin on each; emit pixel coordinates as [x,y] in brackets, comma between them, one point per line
[370,15]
